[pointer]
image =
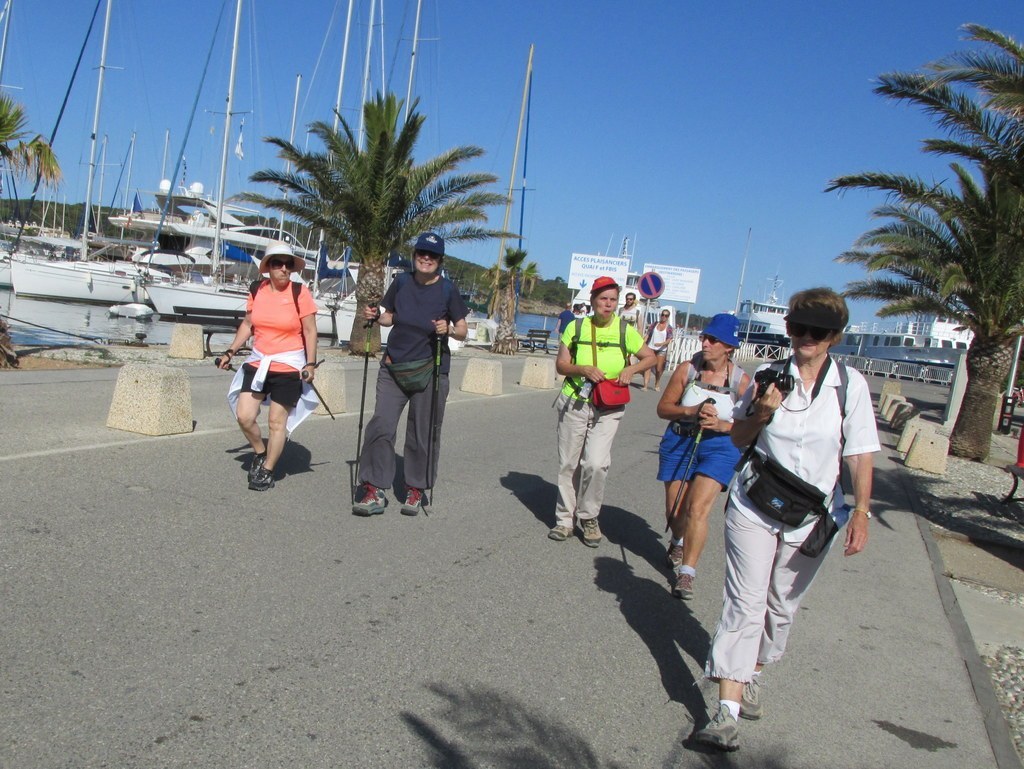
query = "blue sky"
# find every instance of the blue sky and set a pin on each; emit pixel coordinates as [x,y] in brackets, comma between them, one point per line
[679,125]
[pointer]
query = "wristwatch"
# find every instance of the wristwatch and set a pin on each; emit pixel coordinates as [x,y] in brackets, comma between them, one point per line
[867,513]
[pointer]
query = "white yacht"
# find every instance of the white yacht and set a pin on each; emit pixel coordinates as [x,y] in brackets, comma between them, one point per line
[764,321]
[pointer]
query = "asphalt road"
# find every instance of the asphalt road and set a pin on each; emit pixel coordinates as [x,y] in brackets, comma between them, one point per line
[156,613]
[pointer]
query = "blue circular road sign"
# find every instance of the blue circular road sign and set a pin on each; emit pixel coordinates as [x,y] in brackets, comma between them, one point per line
[651,285]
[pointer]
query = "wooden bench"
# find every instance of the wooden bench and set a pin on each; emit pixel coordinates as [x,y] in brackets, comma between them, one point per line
[213,322]
[1016,472]
[536,339]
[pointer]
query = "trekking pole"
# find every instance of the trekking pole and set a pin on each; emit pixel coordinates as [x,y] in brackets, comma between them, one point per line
[431,448]
[689,464]
[305,376]
[362,401]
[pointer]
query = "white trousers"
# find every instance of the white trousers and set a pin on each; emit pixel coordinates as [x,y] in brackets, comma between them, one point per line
[585,436]
[765,580]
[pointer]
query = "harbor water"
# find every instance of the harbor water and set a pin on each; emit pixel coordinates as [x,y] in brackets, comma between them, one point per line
[40,322]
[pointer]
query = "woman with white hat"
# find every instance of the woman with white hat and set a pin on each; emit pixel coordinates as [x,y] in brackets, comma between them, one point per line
[281,316]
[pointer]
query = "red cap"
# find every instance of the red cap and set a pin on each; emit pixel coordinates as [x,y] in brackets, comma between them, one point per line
[602,283]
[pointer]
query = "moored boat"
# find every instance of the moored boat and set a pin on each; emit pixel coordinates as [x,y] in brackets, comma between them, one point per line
[928,340]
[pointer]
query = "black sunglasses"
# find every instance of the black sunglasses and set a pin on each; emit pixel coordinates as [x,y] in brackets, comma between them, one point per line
[816,333]
[709,338]
[275,263]
[428,254]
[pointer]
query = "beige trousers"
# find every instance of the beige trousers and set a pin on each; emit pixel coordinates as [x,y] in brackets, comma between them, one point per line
[765,579]
[585,436]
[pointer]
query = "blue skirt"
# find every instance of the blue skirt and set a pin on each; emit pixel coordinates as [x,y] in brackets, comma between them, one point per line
[716,457]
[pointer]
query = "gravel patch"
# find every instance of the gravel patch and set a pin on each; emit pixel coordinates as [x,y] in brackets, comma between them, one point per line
[1006,667]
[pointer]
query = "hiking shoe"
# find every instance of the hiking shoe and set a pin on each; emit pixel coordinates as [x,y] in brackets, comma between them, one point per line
[256,465]
[723,732]
[591,532]
[262,480]
[674,556]
[751,707]
[683,587]
[413,501]
[372,501]
[560,533]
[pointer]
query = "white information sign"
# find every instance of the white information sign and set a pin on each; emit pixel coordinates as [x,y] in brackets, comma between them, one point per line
[681,283]
[586,268]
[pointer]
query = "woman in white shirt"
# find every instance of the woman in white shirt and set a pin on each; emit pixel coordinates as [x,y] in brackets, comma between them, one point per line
[659,335]
[806,431]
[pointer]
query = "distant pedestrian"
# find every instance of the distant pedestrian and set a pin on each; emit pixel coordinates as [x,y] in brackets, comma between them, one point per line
[658,338]
[579,310]
[566,317]
[801,419]
[280,315]
[423,309]
[630,311]
[586,431]
[697,456]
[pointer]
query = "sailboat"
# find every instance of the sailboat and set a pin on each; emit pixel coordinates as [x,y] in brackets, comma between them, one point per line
[85,279]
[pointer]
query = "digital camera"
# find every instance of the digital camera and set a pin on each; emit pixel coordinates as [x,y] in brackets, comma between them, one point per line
[784,383]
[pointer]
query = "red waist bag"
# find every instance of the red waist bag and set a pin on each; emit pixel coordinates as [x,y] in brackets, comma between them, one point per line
[609,394]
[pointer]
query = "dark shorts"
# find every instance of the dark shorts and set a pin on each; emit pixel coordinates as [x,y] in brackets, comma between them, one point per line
[283,387]
[716,457]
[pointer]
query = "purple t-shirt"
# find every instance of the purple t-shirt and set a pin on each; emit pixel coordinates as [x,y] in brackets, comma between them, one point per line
[415,309]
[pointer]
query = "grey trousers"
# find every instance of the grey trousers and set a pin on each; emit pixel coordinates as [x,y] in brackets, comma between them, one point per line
[765,580]
[377,458]
[585,436]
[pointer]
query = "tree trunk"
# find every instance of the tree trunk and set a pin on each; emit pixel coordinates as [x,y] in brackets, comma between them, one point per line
[988,365]
[8,357]
[505,340]
[369,292]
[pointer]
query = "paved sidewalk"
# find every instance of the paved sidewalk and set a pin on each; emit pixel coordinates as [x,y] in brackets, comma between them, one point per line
[156,613]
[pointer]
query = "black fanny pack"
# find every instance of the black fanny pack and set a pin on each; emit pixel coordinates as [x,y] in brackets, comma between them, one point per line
[781,494]
[413,376]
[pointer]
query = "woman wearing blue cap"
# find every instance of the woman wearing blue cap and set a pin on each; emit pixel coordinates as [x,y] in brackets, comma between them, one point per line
[697,454]
[422,310]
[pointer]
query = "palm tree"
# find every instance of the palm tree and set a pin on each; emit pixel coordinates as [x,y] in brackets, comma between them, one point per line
[516,273]
[26,156]
[377,199]
[956,253]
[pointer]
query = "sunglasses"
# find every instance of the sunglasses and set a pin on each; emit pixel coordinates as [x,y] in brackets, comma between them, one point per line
[427,255]
[664,315]
[277,264]
[816,333]
[709,339]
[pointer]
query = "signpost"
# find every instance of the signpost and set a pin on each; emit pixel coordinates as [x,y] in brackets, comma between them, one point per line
[651,285]
[584,269]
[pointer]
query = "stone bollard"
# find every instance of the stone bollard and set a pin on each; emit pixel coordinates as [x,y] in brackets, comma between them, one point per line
[152,400]
[482,377]
[913,426]
[891,387]
[186,342]
[900,414]
[330,383]
[890,406]
[928,452]
[539,374]
[884,399]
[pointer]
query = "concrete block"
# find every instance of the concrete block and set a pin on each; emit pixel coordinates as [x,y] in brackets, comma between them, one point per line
[900,414]
[911,428]
[330,383]
[186,342]
[928,452]
[152,400]
[890,406]
[892,387]
[539,374]
[884,400]
[482,377]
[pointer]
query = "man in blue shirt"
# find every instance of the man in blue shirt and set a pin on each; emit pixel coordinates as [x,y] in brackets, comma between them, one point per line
[565,318]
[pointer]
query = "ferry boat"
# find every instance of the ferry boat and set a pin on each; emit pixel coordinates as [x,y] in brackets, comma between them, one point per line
[929,340]
[764,321]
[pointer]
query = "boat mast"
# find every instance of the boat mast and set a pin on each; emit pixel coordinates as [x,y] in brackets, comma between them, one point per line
[743,272]
[291,140]
[7,26]
[215,256]
[515,155]
[366,75]
[344,58]
[526,151]
[87,209]
[412,58]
